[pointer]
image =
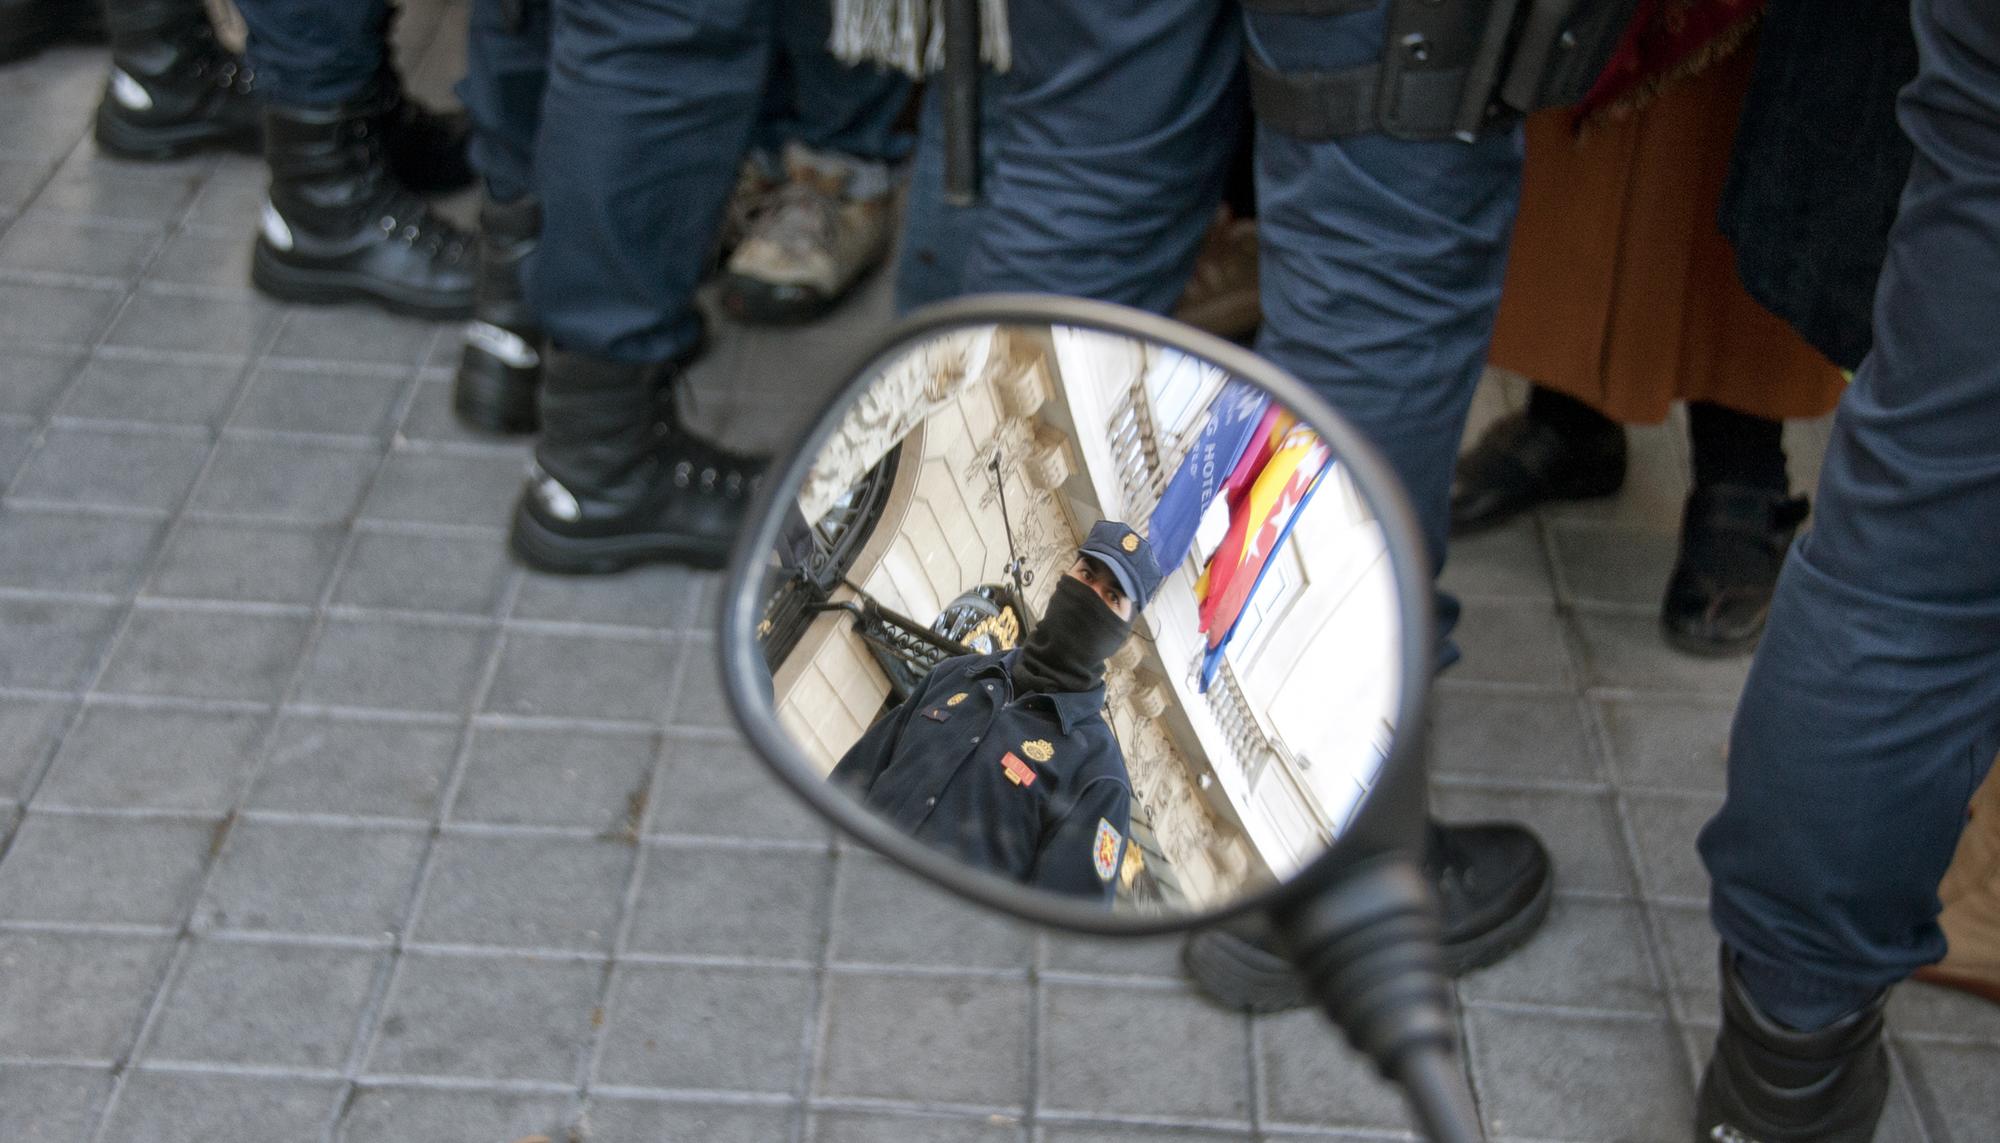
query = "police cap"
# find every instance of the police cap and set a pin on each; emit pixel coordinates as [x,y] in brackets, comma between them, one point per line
[1129,557]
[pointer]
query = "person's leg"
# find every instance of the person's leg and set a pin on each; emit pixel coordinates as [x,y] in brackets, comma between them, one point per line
[310,54]
[938,235]
[1873,707]
[647,114]
[1558,448]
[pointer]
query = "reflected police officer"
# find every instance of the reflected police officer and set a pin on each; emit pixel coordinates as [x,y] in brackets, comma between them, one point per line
[1006,759]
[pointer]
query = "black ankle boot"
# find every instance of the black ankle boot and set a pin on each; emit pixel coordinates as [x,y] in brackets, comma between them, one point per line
[1733,543]
[617,482]
[28,26]
[173,87]
[1493,881]
[1522,461]
[340,227]
[502,365]
[1769,1084]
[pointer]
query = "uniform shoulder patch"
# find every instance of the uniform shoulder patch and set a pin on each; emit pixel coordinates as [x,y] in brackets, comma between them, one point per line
[1104,852]
[1038,749]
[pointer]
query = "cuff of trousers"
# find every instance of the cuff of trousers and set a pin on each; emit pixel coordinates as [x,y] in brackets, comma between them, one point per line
[1802,1001]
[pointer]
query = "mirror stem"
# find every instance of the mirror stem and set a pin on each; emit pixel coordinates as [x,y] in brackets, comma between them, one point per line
[1367,948]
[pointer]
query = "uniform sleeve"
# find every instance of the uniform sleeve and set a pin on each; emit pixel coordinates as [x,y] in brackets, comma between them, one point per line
[1082,854]
[870,754]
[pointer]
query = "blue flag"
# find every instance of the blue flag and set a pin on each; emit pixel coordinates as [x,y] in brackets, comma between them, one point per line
[1232,420]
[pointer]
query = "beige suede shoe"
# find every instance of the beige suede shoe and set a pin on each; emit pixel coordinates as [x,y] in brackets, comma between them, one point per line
[822,232]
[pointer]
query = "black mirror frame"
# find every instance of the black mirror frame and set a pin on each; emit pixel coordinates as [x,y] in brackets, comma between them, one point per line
[1391,817]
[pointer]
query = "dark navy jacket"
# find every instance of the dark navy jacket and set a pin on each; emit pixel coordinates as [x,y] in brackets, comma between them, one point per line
[1032,788]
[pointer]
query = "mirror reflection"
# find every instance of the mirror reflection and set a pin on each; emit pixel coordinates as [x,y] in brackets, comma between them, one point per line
[1087,613]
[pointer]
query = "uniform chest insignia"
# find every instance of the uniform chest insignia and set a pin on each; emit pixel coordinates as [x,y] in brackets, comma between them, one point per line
[1038,749]
[955,699]
[1018,772]
[1131,542]
[1104,851]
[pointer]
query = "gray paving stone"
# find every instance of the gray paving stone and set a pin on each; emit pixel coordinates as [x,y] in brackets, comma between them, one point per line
[1687,950]
[1153,957]
[394,665]
[73,996]
[354,333]
[264,1005]
[1668,743]
[288,878]
[64,867]
[732,902]
[1957,1083]
[1601,563]
[525,892]
[402,1114]
[167,391]
[56,84]
[249,563]
[926,1039]
[1664,827]
[643,597]
[1512,641]
[206,654]
[884,916]
[127,758]
[425,573]
[711,1123]
[1656,483]
[228,206]
[48,644]
[78,248]
[32,379]
[860,1127]
[61,551]
[1506,563]
[352,766]
[701,704]
[16,442]
[160,1107]
[50,1105]
[583,677]
[1518,737]
[1627,651]
[1195,1054]
[137,195]
[487,1018]
[556,777]
[293,480]
[1917,1010]
[29,729]
[1588,954]
[21,176]
[431,420]
[434,488]
[712,787]
[1309,1075]
[325,400]
[707,1029]
[112,469]
[1580,830]
[1544,1076]
[1089,1133]
[45,312]
[237,324]
[218,260]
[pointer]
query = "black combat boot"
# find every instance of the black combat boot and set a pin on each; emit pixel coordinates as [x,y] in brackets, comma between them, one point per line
[1767,1083]
[28,26]
[173,87]
[1733,543]
[1493,881]
[617,482]
[502,365]
[339,226]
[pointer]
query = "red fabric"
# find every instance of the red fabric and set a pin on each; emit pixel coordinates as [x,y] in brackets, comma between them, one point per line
[1665,39]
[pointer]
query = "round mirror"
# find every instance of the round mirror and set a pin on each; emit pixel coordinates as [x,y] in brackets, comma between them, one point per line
[1086,614]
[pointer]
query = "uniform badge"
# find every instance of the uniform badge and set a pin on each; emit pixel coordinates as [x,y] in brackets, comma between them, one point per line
[1037,749]
[1018,772]
[1131,542]
[936,714]
[955,699]
[1104,853]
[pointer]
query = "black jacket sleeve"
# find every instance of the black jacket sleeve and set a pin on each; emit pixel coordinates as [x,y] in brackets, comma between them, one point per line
[1080,856]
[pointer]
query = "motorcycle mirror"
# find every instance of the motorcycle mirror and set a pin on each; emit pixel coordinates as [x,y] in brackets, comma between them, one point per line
[1088,616]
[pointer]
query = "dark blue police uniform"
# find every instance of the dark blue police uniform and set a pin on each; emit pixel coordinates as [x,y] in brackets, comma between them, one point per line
[1032,787]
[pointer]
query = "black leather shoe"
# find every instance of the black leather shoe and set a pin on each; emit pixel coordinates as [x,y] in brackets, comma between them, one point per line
[28,26]
[1521,462]
[1733,543]
[618,483]
[1493,880]
[340,227]
[173,88]
[1766,1083]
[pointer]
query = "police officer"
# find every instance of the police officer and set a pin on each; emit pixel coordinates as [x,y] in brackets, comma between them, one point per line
[1006,760]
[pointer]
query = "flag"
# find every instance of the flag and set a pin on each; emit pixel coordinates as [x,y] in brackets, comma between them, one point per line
[1256,519]
[1211,661]
[1271,428]
[1232,423]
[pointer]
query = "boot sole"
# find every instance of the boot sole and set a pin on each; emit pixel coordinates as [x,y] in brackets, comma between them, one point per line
[547,550]
[152,144]
[311,287]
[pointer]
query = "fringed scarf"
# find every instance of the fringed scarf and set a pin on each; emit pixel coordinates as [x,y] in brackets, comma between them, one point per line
[908,35]
[1666,42]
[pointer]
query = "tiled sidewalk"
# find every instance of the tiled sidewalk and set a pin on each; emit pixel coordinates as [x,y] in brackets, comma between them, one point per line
[323,821]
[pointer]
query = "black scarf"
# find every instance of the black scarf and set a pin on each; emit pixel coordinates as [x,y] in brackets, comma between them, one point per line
[1065,653]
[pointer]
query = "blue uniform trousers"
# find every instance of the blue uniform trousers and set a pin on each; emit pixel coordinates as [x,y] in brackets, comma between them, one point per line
[1873,708]
[1381,258]
[310,53]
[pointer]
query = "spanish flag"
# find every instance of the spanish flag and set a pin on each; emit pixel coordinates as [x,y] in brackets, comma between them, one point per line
[1258,523]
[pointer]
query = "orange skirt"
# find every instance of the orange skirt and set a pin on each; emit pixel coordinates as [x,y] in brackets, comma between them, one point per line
[1620,290]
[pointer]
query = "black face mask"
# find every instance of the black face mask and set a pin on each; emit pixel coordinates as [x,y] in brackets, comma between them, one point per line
[1067,649]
